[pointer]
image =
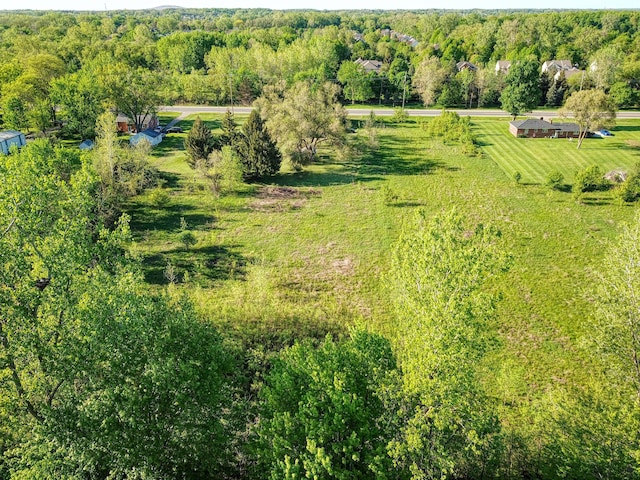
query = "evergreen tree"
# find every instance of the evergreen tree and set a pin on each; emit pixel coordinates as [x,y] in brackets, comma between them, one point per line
[555,95]
[199,143]
[230,132]
[257,151]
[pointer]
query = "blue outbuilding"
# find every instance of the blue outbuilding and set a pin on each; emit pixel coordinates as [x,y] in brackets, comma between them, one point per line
[9,138]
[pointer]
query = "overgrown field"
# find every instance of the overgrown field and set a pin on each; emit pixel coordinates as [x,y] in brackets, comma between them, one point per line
[308,253]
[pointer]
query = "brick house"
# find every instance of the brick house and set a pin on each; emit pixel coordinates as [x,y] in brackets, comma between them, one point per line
[126,125]
[540,128]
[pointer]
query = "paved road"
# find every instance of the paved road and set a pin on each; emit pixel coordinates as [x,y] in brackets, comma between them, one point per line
[185,110]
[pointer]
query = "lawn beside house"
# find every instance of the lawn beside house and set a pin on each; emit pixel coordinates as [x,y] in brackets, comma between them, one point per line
[535,158]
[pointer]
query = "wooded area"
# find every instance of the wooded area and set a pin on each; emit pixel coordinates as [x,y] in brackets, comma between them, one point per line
[293,295]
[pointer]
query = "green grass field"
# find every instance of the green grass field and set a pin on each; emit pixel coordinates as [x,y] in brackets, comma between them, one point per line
[535,158]
[307,253]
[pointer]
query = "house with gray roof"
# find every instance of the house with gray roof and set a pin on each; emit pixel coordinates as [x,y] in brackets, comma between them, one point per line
[464,65]
[370,65]
[540,128]
[554,66]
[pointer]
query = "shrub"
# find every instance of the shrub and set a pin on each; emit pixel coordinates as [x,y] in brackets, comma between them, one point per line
[188,239]
[517,176]
[555,180]
[590,179]
[159,197]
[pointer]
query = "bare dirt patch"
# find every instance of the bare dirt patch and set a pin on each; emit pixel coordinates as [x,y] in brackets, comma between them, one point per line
[281,199]
[633,143]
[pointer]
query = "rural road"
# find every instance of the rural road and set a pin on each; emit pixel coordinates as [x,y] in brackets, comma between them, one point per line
[185,110]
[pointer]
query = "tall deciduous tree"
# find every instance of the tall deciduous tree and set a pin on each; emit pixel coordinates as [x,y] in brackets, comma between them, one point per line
[324,414]
[99,376]
[257,151]
[429,79]
[591,109]
[133,92]
[522,92]
[302,118]
[439,269]
[356,83]
[81,100]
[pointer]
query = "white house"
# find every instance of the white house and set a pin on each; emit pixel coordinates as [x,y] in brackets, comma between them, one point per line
[151,136]
[9,138]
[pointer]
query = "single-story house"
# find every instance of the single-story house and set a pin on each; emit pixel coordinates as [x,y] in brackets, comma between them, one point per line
[9,138]
[464,65]
[149,135]
[370,65]
[540,128]
[126,125]
[503,66]
[86,145]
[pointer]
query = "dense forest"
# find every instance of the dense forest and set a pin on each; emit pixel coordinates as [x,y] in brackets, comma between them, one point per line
[108,373]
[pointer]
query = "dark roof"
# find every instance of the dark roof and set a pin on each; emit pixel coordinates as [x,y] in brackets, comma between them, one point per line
[370,65]
[567,127]
[534,124]
[464,64]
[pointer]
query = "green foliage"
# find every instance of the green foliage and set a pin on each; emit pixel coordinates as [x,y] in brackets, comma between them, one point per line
[258,153]
[188,239]
[302,118]
[517,176]
[399,116]
[230,132]
[591,110]
[14,114]
[159,197]
[199,143]
[616,327]
[522,91]
[590,179]
[555,180]
[438,272]
[323,414]
[629,190]
[123,171]
[81,100]
[101,377]
[356,82]
[454,130]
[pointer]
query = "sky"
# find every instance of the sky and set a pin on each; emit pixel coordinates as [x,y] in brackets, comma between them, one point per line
[319,4]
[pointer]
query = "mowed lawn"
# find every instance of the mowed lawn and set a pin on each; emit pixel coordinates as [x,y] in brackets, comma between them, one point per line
[535,158]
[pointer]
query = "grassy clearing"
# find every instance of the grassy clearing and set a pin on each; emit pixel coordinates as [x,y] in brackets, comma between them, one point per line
[535,158]
[307,253]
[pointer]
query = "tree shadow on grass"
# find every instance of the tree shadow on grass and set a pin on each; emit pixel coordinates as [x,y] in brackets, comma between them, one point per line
[169,179]
[167,219]
[626,128]
[395,157]
[205,264]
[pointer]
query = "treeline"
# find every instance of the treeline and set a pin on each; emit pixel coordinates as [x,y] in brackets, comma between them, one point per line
[102,378]
[230,56]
